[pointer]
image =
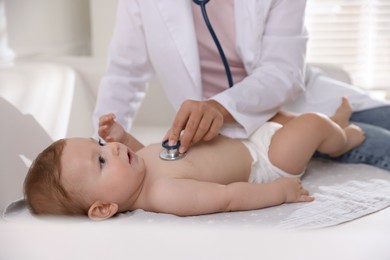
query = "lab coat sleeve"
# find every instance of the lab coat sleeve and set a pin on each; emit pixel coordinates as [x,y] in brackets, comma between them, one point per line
[275,71]
[124,84]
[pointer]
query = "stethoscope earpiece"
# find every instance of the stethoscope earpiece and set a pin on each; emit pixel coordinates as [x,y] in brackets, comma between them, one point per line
[171,152]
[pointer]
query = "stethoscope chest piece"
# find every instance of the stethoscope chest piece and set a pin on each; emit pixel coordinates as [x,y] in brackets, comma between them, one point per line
[171,153]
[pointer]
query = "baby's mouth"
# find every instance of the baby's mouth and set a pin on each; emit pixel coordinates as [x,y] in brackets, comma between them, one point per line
[129,156]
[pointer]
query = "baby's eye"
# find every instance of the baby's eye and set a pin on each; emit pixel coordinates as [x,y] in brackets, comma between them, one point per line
[100,141]
[102,162]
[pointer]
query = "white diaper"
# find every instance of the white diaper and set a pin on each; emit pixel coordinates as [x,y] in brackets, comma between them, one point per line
[263,170]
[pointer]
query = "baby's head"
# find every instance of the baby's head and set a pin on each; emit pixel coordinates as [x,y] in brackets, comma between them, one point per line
[43,187]
[81,176]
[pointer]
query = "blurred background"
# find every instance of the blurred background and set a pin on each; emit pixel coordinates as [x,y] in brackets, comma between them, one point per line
[352,34]
[42,28]
[74,33]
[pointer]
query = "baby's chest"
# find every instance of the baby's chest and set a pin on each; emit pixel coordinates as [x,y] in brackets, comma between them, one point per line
[207,170]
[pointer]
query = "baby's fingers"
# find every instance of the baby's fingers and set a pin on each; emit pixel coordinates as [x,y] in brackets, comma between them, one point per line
[106,119]
[304,196]
[103,131]
[109,139]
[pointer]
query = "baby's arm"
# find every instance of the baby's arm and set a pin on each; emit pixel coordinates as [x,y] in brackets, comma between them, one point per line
[111,131]
[186,197]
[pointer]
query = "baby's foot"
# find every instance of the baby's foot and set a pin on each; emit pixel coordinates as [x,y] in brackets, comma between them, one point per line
[343,113]
[355,136]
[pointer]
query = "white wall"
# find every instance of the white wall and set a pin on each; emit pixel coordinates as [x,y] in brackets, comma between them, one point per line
[47,28]
[6,54]
[44,28]
[102,20]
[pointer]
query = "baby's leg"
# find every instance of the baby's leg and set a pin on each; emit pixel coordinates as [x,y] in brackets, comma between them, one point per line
[355,135]
[343,113]
[293,145]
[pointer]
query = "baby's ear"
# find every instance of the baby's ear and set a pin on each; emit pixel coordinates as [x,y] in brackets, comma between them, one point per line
[102,210]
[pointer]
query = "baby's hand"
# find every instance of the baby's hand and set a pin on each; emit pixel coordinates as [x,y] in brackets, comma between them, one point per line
[293,190]
[110,130]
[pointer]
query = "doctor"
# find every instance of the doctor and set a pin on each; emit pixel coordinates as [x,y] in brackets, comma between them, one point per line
[265,45]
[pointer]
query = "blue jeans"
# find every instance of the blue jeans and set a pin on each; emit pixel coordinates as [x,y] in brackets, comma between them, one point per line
[375,150]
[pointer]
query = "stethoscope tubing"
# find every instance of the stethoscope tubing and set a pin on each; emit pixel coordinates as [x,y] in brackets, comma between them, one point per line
[171,152]
[202,5]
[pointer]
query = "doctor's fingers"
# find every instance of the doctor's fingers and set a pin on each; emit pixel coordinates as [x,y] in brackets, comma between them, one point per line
[191,130]
[189,109]
[195,118]
[188,121]
[178,125]
[209,127]
[197,127]
[214,129]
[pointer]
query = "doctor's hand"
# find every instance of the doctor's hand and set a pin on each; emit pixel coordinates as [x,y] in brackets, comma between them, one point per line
[200,120]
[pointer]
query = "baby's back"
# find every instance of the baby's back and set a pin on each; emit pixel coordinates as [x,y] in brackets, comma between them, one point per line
[222,160]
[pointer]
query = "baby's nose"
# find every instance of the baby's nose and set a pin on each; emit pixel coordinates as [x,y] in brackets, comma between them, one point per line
[115,149]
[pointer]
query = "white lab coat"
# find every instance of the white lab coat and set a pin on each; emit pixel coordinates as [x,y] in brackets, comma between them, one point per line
[157,37]
[323,94]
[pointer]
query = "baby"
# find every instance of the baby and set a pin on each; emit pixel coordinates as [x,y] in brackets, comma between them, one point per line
[79,176]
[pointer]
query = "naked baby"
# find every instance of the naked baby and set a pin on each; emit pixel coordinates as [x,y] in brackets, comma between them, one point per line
[79,176]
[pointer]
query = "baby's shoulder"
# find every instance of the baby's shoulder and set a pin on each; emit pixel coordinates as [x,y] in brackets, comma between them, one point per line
[157,191]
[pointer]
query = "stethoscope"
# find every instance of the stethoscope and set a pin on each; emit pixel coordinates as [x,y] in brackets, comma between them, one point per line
[171,152]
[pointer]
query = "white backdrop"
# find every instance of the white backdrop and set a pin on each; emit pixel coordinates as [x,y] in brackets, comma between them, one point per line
[48,27]
[102,23]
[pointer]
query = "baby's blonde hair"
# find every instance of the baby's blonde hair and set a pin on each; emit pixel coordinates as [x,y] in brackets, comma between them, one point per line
[43,189]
